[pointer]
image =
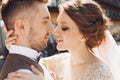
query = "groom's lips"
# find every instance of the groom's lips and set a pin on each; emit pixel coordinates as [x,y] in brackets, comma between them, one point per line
[46,36]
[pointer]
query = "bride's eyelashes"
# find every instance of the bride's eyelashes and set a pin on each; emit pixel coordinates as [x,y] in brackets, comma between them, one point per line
[65,28]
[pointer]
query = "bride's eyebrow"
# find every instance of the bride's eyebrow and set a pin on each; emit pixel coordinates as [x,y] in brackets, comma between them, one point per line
[47,17]
[63,22]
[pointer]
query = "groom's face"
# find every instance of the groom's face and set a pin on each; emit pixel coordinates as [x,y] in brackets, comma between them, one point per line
[40,27]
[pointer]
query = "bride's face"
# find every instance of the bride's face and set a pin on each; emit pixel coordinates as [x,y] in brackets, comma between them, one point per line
[67,33]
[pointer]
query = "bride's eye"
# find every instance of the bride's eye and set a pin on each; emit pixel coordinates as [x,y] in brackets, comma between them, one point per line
[65,28]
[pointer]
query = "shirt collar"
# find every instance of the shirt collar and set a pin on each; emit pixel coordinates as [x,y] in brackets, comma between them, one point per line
[28,52]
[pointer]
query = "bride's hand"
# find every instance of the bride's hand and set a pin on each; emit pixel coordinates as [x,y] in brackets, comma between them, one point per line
[10,39]
[26,76]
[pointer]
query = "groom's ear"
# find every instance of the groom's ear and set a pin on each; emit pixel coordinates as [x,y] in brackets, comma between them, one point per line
[19,26]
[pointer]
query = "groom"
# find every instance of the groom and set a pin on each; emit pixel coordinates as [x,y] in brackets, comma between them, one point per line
[30,21]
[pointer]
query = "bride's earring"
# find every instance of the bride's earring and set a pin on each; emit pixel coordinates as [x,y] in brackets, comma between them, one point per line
[82,39]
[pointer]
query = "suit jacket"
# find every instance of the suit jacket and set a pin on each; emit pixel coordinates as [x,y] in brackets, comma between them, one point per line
[15,62]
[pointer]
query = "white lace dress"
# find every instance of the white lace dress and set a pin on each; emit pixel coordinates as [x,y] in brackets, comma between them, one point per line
[60,69]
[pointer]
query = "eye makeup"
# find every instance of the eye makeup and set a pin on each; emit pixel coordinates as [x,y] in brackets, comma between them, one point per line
[64,28]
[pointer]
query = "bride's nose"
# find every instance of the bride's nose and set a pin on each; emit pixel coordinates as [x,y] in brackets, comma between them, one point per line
[57,31]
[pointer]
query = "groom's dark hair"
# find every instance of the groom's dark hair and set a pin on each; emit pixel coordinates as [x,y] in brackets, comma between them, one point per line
[12,8]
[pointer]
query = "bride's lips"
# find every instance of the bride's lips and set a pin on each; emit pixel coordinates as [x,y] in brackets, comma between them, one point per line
[59,40]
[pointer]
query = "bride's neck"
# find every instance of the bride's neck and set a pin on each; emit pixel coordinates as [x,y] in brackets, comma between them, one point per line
[81,55]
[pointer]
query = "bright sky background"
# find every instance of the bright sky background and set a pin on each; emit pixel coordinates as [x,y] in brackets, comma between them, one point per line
[1,23]
[3,1]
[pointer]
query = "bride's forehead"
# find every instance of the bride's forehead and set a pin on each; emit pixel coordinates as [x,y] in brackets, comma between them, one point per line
[62,17]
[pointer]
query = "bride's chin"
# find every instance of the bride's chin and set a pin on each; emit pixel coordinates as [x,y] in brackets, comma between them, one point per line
[60,48]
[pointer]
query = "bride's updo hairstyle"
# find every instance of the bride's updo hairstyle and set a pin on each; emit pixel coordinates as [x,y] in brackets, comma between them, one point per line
[90,20]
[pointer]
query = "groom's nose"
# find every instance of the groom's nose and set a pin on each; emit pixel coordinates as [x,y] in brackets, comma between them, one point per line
[50,29]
